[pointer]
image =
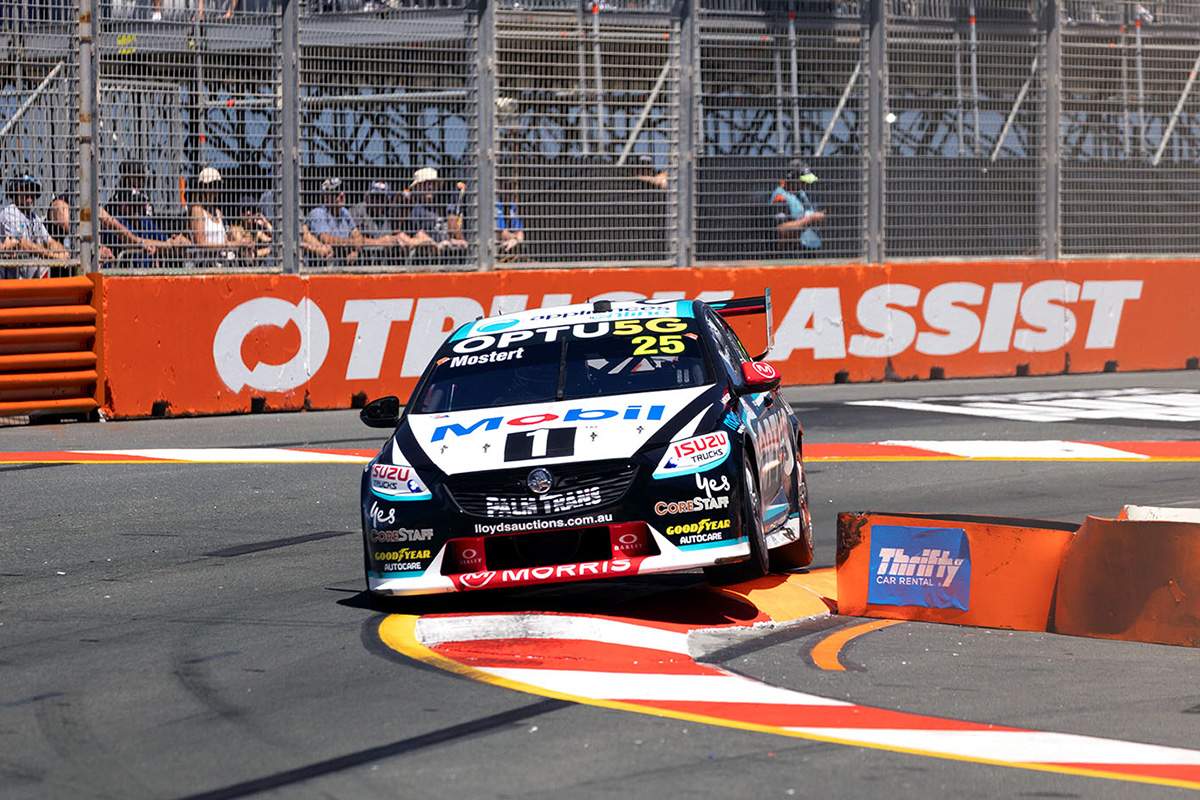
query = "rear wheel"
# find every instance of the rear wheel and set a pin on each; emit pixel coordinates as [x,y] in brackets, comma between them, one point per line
[753,527]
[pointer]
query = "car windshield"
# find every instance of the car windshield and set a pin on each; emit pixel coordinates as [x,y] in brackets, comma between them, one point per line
[584,360]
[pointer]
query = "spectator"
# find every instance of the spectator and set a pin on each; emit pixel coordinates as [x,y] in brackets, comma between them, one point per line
[509,230]
[209,233]
[253,231]
[58,223]
[131,175]
[648,174]
[796,215]
[151,243]
[373,218]
[24,233]
[332,223]
[313,247]
[425,216]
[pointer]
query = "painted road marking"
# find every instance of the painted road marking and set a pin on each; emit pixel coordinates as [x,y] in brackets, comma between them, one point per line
[1155,405]
[627,664]
[826,654]
[901,450]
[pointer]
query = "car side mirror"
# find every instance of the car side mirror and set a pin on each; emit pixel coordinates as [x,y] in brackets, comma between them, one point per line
[760,377]
[383,412]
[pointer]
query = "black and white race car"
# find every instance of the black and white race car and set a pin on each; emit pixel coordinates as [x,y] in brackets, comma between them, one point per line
[589,441]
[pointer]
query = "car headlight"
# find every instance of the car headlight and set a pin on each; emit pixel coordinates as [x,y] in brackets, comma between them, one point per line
[695,454]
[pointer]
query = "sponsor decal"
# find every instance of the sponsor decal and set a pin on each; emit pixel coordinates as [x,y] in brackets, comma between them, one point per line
[486,358]
[651,413]
[701,538]
[763,370]
[550,574]
[401,535]
[382,516]
[947,319]
[671,508]
[926,567]
[406,559]
[397,482]
[543,524]
[696,454]
[710,485]
[701,526]
[954,317]
[544,504]
[732,421]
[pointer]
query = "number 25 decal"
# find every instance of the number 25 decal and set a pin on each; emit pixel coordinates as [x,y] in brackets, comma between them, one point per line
[539,443]
[652,345]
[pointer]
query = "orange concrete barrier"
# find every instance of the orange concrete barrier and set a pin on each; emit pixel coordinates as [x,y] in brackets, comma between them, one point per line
[281,342]
[1136,580]
[51,347]
[989,572]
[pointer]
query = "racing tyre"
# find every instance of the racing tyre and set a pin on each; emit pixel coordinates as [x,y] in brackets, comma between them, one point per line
[752,522]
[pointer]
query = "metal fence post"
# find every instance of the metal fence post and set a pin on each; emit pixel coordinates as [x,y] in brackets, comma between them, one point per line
[876,152]
[89,107]
[688,24]
[1053,166]
[288,183]
[485,83]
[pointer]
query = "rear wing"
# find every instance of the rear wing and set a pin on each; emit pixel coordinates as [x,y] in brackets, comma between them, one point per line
[743,306]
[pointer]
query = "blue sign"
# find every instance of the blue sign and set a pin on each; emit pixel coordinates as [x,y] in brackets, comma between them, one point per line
[926,567]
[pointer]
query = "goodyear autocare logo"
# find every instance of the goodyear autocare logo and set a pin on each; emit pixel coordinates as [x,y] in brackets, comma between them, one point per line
[926,567]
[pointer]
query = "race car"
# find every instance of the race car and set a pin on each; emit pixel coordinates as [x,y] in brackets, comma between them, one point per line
[589,441]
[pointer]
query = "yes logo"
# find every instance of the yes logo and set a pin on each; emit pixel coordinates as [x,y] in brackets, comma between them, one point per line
[381,517]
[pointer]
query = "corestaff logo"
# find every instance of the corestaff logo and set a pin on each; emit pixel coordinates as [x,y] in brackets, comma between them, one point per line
[925,567]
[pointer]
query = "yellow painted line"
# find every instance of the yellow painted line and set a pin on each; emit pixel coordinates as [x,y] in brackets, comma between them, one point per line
[398,631]
[825,654]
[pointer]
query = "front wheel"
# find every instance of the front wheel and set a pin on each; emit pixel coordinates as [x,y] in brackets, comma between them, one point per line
[754,528]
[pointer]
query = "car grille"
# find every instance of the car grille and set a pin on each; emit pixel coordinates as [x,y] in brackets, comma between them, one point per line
[504,493]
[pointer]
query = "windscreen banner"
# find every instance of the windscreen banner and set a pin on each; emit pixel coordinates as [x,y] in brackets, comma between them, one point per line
[212,344]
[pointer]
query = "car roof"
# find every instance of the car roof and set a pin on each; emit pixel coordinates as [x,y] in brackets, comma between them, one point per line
[595,311]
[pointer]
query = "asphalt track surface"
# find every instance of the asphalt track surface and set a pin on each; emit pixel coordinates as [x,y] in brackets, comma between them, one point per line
[199,630]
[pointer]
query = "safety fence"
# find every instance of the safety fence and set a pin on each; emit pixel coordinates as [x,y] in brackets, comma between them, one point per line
[180,136]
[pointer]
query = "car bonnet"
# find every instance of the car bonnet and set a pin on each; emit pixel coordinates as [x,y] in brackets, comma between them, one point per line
[594,429]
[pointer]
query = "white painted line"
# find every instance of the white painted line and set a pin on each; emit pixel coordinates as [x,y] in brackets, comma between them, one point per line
[1016,449]
[235,455]
[1034,747]
[652,686]
[435,631]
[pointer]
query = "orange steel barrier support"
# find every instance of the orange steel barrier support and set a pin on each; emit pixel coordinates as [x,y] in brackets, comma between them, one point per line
[51,346]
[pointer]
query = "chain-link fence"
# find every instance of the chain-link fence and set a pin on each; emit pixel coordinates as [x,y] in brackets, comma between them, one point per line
[426,135]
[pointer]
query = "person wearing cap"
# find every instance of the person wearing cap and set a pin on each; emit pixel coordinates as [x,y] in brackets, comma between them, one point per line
[426,222]
[796,217]
[22,233]
[332,224]
[131,175]
[146,243]
[373,217]
[210,236]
